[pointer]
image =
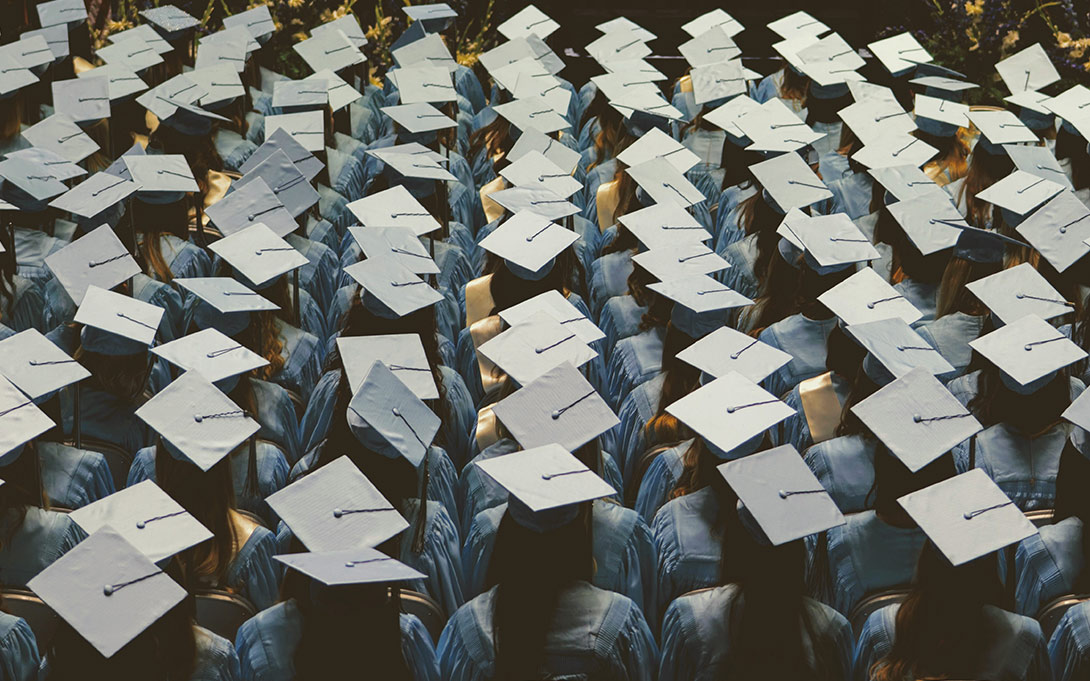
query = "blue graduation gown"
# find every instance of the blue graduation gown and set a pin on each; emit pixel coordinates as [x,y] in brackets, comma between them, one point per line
[43,537]
[19,657]
[634,360]
[1047,565]
[845,467]
[795,429]
[688,545]
[805,340]
[1025,468]
[216,658]
[1069,647]
[951,334]
[660,480]
[73,477]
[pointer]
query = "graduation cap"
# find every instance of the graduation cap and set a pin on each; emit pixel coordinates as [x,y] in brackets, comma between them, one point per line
[798,23]
[389,419]
[107,590]
[259,254]
[906,182]
[894,349]
[82,99]
[211,354]
[95,195]
[1073,106]
[121,81]
[61,12]
[663,225]
[250,204]
[727,350]
[624,43]
[133,53]
[413,165]
[147,518]
[917,418]
[61,135]
[60,168]
[699,293]
[394,207]
[940,117]
[833,242]
[899,53]
[163,178]
[36,366]
[710,47]
[436,17]
[528,21]
[345,24]
[546,484]
[790,182]
[171,19]
[931,224]
[429,49]
[967,516]
[1000,127]
[20,421]
[781,494]
[664,183]
[397,243]
[728,115]
[1028,69]
[390,290]
[1020,192]
[306,127]
[532,113]
[29,184]
[714,19]
[285,179]
[866,297]
[338,91]
[299,95]
[532,347]
[873,119]
[225,294]
[554,304]
[96,259]
[281,140]
[145,33]
[56,37]
[657,144]
[353,566]
[895,150]
[1028,351]
[330,50]
[197,422]
[529,240]
[776,128]
[15,78]
[1018,291]
[401,353]
[537,200]
[212,52]
[680,260]
[560,155]
[257,21]
[337,508]
[1059,230]
[716,82]
[423,83]
[129,324]
[1039,161]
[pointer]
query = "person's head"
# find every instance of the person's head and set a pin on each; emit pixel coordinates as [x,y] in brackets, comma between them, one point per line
[1072,480]
[509,289]
[893,480]
[953,296]
[939,626]
[22,489]
[679,379]
[493,139]
[986,167]
[122,375]
[1030,413]
[153,220]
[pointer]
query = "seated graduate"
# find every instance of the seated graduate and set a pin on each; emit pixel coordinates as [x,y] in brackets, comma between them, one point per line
[19,658]
[951,625]
[541,615]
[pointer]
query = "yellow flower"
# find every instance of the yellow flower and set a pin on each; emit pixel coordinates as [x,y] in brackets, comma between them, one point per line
[1010,40]
[974,8]
[295,3]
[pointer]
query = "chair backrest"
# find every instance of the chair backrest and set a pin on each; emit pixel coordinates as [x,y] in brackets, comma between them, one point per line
[41,618]
[1054,610]
[426,610]
[117,458]
[222,612]
[642,464]
[873,603]
[297,402]
[1040,517]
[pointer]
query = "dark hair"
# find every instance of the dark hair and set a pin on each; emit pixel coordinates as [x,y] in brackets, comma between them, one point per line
[1072,480]
[940,626]
[953,296]
[22,489]
[1030,414]
[984,170]
[8,267]
[893,480]
[679,379]
[123,376]
[508,290]
[1073,146]
[491,139]
[154,221]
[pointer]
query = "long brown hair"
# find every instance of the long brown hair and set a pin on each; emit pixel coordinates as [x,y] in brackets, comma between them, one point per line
[985,169]
[123,376]
[154,221]
[953,295]
[679,379]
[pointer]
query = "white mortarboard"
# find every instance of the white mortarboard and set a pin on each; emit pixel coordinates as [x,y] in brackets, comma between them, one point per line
[1058,230]
[899,53]
[789,49]
[564,157]
[332,50]
[36,366]
[166,98]
[725,350]
[895,150]
[967,516]
[657,144]
[866,297]
[799,23]
[96,259]
[388,418]
[211,354]
[237,36]
[60,168]
[546,477]
[402,353]
[353,566]
[170,18]
[411,164]
[535,200]
[56,37]
[558,407]
[663,225]
[146,33]
[1029,69]
[715,18]
[337,508]
[397,243]
[1018,291]
[1034,101]
[15,78]
[120,315]
[775,127]
[281,140]
[134,54]
[223,52]
[710,47]
[664,183]
[1039,161]
[834,240]
[95,194]
[615,85]
[258,253]
[285,179]
[539,343]
[1073,105]
[146,516]
[528,20]
[107,590]
[307,127]
[161,173]
[680,260]
[1020,192]
[1001,127]
[429,50]
[554,304]
[637,70]
[700,293]
[121,80]
[394,207]
[197,420]
[534,169]
[906,182]
[435,16]
[225,294]
[339,92]
[31,177]
[544,86]
[257,21]
[1028,349]
[621,44]
[20,420]
[82,99]
[304,94]
[932,222]
[782,494]
[249,204]
[646,105]
[423,83]
[917,418]
[532,113]
[505,54]
[718,81]
[729,411]
[529,240]
[624,24]
[347,25]
[60,134]
[898,348]
[393,285]
[28,52]
[727,115]
[943,83]
[942,110]
[873,119]
[830,61]
[61,12]
[790,181]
